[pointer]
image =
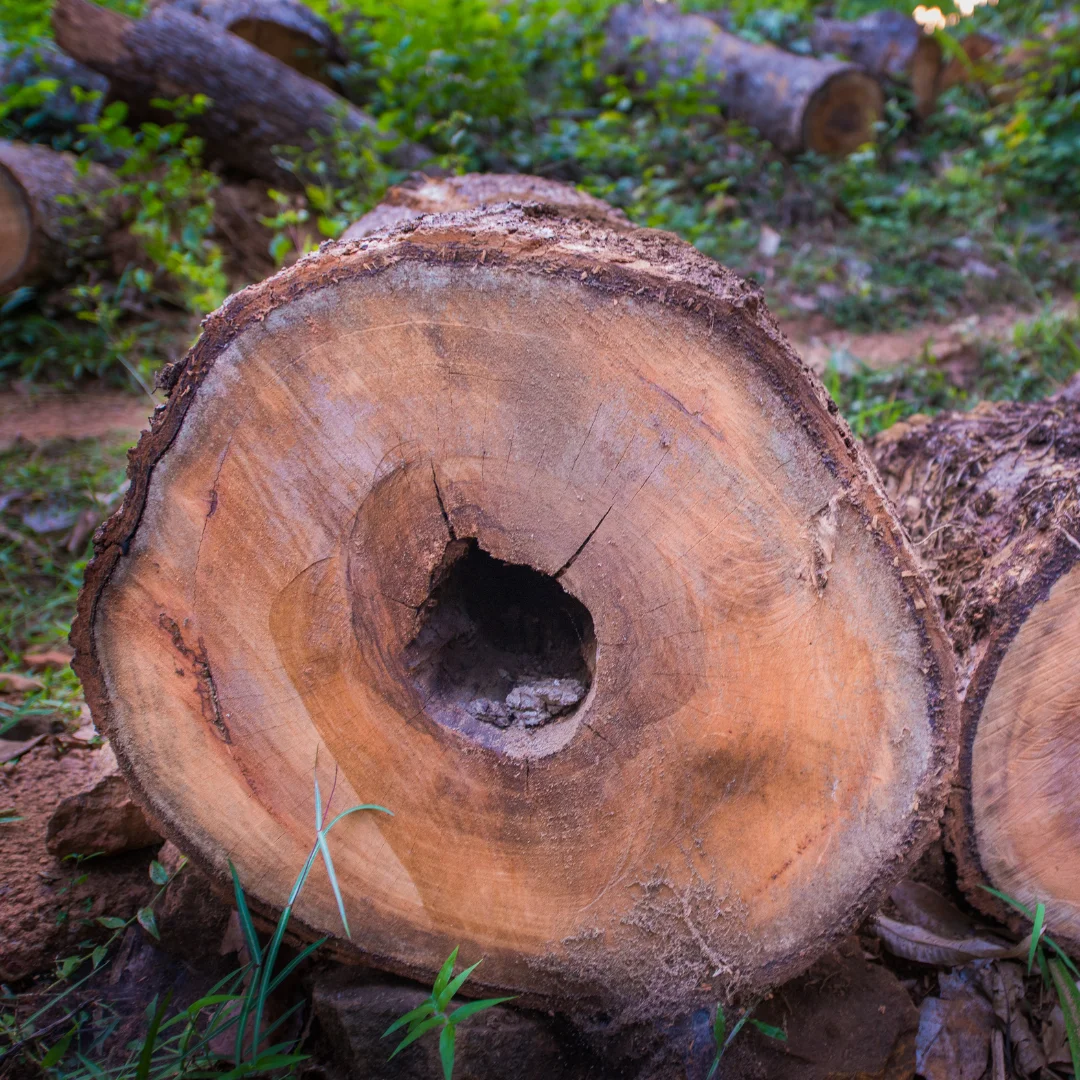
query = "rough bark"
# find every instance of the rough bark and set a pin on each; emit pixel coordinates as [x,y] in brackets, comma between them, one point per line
[42,239]
[60,111]
[796,102]
[540,535]
[421,195]
[256,102]
[286,29]
[888,44]
[992,499]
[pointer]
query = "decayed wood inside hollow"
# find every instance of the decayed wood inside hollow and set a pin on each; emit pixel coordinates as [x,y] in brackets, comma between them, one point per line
[992,497]
[421,194]
[538,534]
[796,102]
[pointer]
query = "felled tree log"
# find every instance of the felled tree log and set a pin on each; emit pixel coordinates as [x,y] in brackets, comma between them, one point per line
[286,29]
[43,239]
[538,534]
[422,194]
[992,498]
[796,102]
[256,102]
[889,44]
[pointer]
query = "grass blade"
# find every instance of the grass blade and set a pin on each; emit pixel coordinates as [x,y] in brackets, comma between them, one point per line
[251,939]
[356,809]
[324,848]
[147,1052]
[1069,998]
[294,963]
[447,994]
[1036,933]
[444,974]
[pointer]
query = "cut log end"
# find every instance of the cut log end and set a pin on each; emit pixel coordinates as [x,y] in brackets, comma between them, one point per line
[293,47]
[841,114]
[538,534]
[1025,760]
[16,230]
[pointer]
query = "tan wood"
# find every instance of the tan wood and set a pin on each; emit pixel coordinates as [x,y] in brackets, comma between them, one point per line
[796,102]
[43,237]
[421,194]
[993,500]
[420,471]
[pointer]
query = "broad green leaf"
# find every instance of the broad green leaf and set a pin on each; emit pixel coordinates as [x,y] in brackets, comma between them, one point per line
[158,874]
[418,1013]
[446,1051]
[148,922]
[57,1050]
[420,1029]
[772,1032]
[455,984]
[98,955]
[111,922]
[471,1008]
[444,974]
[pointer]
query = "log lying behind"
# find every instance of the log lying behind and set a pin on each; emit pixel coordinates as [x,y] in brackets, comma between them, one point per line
[422,194]
[42,238]
[993,499]
[286,29]
[60,111]
[889,44]
[538,534]
[256,101]
[796,102]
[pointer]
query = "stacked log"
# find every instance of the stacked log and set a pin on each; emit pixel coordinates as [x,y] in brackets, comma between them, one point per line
[43,235]
[992,499]
[256,102]
[422,194]
[536,532]
[285,29]
[890,45]
[796,102]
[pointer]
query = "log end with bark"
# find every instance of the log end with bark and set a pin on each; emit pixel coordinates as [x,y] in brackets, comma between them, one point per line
[285,29]
[537,533]
[888,44]
[42,234]
[992,498]
[796,102]
[257,104]
[421,194]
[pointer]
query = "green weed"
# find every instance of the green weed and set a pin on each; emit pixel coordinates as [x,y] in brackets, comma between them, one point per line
[723,1038]
[433,1014]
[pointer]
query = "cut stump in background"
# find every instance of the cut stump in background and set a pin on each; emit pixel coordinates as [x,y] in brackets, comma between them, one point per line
[992,499]
[286,29]
[889,44]
[538,534]
[420,195]
[43,236]
[796,102]
[257,105]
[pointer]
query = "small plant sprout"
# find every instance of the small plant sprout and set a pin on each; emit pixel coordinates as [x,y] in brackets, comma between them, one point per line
[723,1039]
[432,1014]
[1055,965]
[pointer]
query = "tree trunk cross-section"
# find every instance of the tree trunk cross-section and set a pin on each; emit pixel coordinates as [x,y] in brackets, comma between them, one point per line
[538,534]
[256,103]
[796,102]
[992,497]
[41,237]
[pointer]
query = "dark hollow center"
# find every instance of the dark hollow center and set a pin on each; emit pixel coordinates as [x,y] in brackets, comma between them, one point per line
[502,645]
